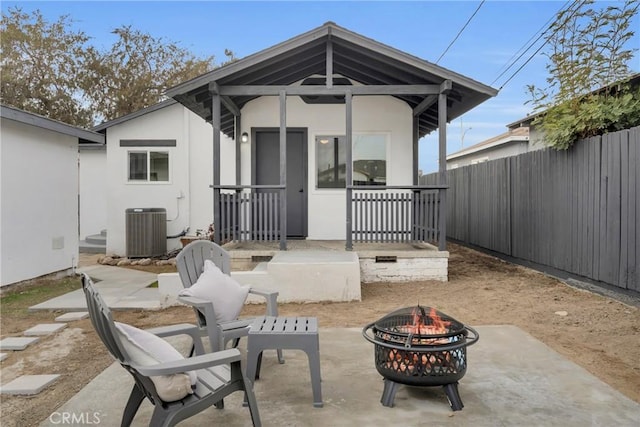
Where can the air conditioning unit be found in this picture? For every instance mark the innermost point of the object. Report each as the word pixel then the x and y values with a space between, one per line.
pixel 146 232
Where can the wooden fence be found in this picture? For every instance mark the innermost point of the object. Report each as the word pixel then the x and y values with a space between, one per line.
pixel 576 210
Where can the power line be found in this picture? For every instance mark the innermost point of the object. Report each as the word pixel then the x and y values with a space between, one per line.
pixel 543 44
pixel 460 32
pixel 546 26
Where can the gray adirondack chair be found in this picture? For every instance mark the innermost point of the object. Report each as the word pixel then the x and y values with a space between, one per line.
pixel 190 264
pixel 219 373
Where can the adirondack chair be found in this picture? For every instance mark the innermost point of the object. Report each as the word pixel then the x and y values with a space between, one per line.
pixel 190 263
pixel 218 374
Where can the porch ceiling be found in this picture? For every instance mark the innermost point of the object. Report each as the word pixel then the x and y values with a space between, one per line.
pixel 354 56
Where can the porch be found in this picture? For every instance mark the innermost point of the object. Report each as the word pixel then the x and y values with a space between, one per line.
pixel 322 270
pixel 404 216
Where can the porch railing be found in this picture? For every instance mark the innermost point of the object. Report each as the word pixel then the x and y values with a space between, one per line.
pixel 250 213
pixel 410 214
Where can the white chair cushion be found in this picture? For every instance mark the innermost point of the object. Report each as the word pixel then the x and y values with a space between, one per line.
pixel 225 293
pixel 146 349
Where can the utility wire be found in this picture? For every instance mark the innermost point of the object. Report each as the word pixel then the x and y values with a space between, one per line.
pixel 543 44
pixel 541 32
pixel 460 32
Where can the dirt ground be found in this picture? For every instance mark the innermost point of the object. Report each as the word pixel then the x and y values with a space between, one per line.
pixel 598 333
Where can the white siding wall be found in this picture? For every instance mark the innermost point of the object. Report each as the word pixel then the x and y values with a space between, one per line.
pixel 39 207
pixel 371 114
pixel 187 196
pixel 93 191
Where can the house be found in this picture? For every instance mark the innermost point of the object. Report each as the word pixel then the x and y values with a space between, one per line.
pixel 39 194
pixel 325 101
pixel 313 139
pixel 511 143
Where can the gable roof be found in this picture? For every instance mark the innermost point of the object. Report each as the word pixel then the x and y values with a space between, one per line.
pixel 18 115
pixel 354 56
pixel 135 114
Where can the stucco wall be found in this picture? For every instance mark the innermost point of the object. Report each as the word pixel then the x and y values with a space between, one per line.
pixel 371 114
pixel 187 197
pixel 39 207
pixel 93 191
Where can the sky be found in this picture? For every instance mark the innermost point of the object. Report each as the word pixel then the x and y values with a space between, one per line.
pixel 424 29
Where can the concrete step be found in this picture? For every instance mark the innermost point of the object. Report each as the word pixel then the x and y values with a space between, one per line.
pixel 307 276
pixel 96 239
pixel 298 276
pixel 90 248
pixel 103 232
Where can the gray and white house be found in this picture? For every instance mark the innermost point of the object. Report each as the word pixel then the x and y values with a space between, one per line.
pixel 314 138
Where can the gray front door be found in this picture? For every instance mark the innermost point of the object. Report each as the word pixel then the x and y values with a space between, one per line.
pixel 266 155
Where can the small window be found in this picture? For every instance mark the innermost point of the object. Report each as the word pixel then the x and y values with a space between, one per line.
pixel 369 160
pixel 149 166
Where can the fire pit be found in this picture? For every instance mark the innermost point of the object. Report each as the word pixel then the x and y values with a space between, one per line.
pixel 420 346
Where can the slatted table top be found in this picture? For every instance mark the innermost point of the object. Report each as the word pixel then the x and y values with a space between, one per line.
pixel 284 325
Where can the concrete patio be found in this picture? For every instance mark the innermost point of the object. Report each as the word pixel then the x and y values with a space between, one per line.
pixel 512 379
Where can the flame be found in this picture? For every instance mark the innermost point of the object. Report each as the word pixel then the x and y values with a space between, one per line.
pixel 427 324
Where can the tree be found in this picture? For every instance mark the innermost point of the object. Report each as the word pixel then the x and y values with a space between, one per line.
pixel 588 51
pixel 136 71
pixel 41 63
pixel 54 71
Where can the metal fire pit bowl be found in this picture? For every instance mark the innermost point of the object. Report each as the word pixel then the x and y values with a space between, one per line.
pixel 404 356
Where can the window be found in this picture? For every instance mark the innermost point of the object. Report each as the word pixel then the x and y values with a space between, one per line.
pixel 331 160
pixel 149 166
pixel 369 160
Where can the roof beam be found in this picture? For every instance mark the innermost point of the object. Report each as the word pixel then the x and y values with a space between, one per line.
pixel 329 63
pixel 231 106
pixel 274 90
pixel 426 103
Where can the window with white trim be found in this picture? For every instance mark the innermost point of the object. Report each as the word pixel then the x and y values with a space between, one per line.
pixel 148 166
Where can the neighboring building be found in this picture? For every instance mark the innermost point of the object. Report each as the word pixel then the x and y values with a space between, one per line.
pixel 39 194
pixel 522 135
pixel 536 136
pixel 511 143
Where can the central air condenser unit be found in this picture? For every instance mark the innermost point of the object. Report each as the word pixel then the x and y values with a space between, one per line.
pixel 146 232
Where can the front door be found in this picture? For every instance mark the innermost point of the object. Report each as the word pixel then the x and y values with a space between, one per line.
pixel 266 152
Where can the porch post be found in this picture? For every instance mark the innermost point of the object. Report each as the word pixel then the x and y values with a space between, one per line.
pixel 415 233
pixel 349 168
pixel 238 140
pixel 442 163
pixel 283 170
pixel 416 135
pixel 215 122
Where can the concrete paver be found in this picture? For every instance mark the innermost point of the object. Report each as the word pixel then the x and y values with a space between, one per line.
pixel 512 379
pixel 44 329
pixel 72 316
pixel 114 283
pixel 28 384
pixel 17 343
